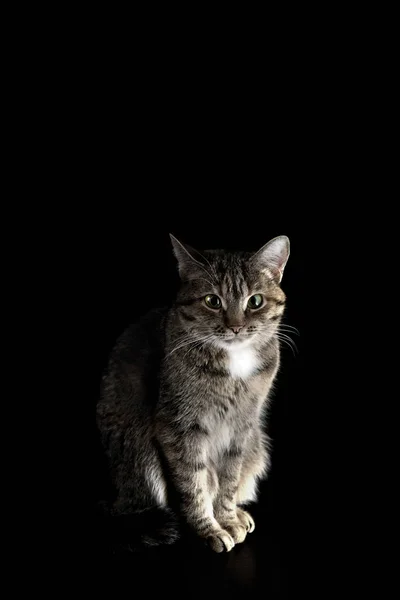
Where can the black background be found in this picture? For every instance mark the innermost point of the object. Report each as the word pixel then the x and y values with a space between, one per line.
pixel 224 139
pixel 120 263
pixel 218 173
pixel 213 186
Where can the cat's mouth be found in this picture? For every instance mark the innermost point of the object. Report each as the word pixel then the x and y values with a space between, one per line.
pixel 238 339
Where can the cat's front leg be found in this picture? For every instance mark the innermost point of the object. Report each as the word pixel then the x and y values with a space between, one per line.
pixel 187 463
pixel 233 519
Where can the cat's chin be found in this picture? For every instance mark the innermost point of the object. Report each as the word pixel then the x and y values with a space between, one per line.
pixel 235 342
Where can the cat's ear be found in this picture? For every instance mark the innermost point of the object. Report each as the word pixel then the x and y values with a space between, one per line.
pixel 273 257
pixel 189 259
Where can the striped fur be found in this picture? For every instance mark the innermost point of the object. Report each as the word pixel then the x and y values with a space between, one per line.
pixel 182 404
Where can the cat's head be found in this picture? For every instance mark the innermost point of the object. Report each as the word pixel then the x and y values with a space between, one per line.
pixel 231 299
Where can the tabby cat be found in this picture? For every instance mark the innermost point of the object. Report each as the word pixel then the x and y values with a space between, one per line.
pixel 184 395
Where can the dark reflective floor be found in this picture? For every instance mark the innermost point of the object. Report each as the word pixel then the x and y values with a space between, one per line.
pixel 190 568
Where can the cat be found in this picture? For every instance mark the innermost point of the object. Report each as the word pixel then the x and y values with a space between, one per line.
pixel 182 406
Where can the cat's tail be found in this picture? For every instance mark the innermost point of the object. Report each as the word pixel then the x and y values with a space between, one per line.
pixel 139 530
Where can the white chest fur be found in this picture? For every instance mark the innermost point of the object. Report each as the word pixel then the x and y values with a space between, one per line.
pixel 243 361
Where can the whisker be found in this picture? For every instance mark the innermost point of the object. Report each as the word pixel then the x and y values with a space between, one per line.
pixel 208 262
pixel 190 339
pixel 288 341
pixel 186 343
pixel 198 344
pixel 285 335
pixel 189 335
pixel 207 272
pixel 280 333
pixel 289 328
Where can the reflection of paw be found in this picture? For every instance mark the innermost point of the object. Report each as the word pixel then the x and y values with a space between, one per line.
pixel 237 531
pixel 220 541
pixel 246 519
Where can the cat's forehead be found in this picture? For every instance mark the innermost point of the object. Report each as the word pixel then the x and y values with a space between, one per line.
pixel 223 261
pixel 234 272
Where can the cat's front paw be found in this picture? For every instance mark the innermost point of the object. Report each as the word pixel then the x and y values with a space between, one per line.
pixel 237 531
pixel 220 541
pixel 246 519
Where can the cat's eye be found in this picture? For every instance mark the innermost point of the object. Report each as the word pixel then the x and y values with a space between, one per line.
pixel 212 301
pixel 255 301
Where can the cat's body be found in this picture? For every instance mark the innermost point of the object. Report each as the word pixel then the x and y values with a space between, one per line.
pixel 182 404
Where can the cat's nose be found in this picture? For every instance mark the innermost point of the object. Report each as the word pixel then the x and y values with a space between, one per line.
pixel 236 329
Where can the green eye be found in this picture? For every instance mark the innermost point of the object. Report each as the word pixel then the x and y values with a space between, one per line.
pixel 212 301
pixel 255 301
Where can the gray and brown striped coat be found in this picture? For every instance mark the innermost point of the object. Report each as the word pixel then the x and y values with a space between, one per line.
pixel 183 401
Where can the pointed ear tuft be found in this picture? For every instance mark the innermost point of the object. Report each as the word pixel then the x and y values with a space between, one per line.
pixel 189 259
pixel 273 256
